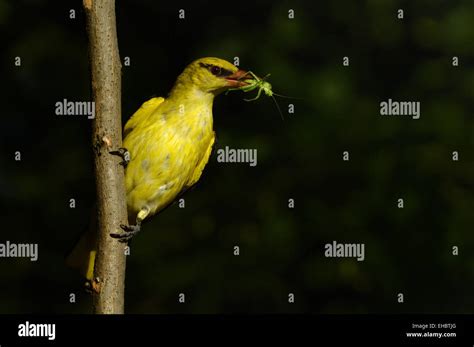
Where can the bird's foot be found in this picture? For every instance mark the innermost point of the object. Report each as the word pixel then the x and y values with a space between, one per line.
pixel 92 286
pixel 129 232
pixel 124 154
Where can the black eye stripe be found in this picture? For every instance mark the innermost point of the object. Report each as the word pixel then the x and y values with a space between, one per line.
pixel 223 72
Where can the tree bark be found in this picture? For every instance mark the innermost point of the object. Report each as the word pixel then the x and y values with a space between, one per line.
pixel 109 273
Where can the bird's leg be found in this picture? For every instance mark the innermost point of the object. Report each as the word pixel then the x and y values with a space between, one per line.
pixel 131 230
pixel 124 154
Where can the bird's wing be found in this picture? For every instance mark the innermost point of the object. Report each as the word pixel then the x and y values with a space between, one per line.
pixel 142 113
pixel 200 166
pixel 196 174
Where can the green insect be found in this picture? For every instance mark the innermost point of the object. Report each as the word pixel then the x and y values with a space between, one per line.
pixel 255 83
pixel 262 85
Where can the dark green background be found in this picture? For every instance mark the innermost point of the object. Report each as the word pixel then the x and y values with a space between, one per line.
pixel 282 250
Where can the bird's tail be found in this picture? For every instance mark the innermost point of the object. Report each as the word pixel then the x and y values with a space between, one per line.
pixel 82 256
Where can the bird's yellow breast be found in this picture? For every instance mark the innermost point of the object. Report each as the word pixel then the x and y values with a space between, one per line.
pixel 169 145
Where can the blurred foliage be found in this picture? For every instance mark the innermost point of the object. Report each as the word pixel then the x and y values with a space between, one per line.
pixel 190 250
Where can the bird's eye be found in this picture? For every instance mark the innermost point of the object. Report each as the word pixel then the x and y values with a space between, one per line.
pixel 216 70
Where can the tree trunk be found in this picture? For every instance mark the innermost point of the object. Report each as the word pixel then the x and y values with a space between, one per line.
pixel 109 272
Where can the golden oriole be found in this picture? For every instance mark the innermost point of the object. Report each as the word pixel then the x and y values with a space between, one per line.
pixel 169 141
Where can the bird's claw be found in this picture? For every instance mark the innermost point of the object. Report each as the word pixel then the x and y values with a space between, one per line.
pixel 124 154
pixel 129 232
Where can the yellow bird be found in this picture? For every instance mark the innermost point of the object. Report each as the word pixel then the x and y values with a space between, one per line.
pixel 169 141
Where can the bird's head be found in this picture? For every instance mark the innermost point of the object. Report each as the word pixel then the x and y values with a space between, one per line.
pixel 212 75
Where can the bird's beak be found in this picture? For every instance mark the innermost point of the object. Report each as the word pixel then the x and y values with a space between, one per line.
pixel 236 79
